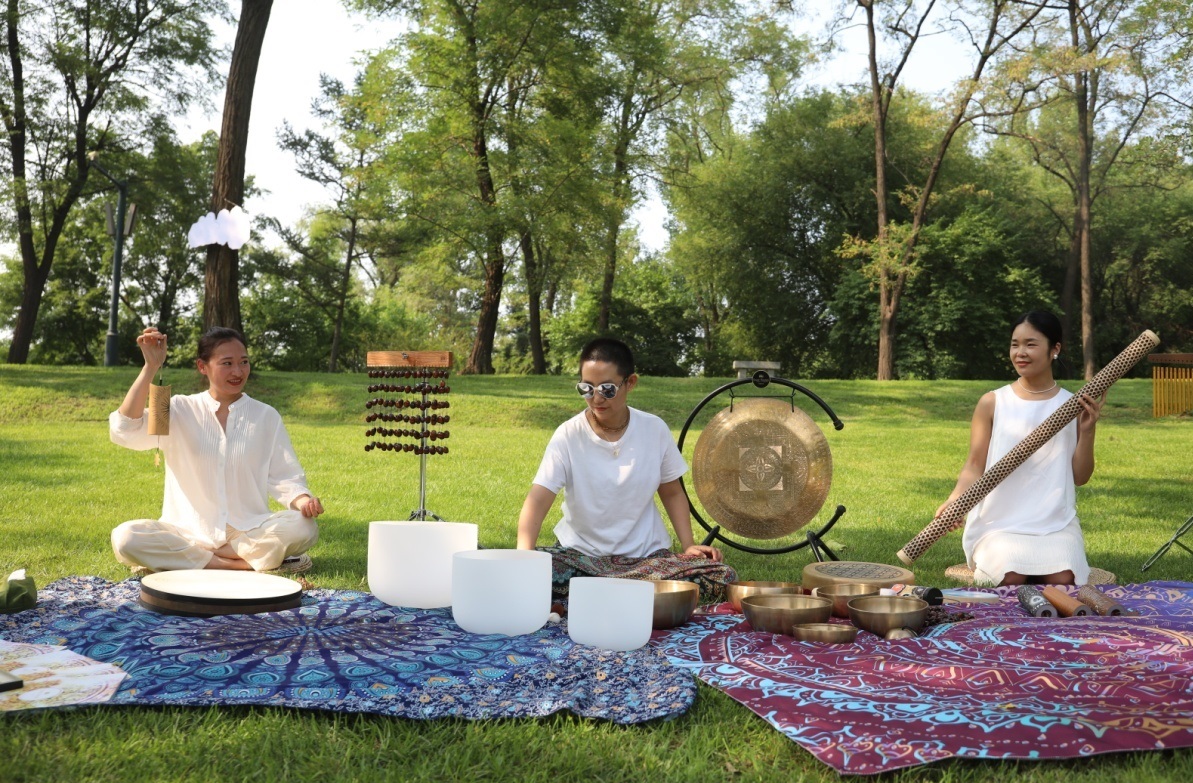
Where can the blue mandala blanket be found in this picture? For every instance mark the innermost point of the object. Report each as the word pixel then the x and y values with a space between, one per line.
pixel 346 651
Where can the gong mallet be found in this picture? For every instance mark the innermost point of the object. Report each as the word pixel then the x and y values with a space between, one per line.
pixel 953 515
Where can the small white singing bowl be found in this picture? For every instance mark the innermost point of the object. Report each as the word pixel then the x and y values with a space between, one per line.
pixel 410 563
pixel 501 591
pixel 613 614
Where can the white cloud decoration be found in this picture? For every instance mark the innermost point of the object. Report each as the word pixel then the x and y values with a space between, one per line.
pixel 229 227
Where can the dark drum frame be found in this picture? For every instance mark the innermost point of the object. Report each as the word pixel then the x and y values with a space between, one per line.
pixel 812 539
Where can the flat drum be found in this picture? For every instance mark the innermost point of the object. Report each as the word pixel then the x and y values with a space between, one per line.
pixel 207 593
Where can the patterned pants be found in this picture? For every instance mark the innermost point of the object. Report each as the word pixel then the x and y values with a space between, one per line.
pixel 709 576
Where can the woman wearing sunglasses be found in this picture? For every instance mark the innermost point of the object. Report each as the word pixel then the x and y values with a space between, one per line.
pixel 611 460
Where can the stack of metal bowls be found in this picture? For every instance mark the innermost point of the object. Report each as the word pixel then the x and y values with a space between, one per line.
pixel 782 613
pixel 842 594
pixel 736 591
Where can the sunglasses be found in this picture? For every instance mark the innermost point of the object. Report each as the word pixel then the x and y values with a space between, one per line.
pixel 606 390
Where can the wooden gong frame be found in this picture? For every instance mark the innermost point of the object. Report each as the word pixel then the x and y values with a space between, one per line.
pixel 812 539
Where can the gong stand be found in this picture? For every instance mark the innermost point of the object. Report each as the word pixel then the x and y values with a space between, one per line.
pixel 760 380
pixel 416 385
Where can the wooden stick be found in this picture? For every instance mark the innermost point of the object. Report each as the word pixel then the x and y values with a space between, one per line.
pixel 953 515
pixel 1064 603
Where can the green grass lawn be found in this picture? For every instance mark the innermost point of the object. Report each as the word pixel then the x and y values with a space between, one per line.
pixel 65 486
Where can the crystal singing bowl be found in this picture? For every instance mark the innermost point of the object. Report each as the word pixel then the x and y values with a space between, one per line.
pixel 842 594
pixel 781 613
pixel 739 590
pixel 879 614
pixel 674 602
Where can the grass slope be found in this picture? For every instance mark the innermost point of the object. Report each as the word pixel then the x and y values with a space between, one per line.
pixel 65 486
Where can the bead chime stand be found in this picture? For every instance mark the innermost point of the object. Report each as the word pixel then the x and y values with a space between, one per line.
pixel 423 375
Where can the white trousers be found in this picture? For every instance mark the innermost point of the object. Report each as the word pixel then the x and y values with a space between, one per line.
pixel 154 544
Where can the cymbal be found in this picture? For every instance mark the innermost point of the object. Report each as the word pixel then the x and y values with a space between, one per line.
pixel 762 468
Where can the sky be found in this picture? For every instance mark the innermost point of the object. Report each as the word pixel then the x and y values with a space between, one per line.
pixel 309 37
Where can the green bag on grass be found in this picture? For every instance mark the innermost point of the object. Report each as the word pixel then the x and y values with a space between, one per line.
pixel 18 593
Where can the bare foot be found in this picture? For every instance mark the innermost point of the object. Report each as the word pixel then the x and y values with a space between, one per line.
pixel 228 564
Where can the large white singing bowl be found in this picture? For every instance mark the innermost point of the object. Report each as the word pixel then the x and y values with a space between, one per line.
pixel 614 614
pixel 506 591
pixel 410 563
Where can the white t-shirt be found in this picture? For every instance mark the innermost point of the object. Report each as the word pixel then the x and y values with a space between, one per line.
pixel 608 506
pixel 1039 497
pixel 216 478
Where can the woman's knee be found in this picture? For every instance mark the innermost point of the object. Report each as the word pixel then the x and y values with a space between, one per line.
pixel 125 536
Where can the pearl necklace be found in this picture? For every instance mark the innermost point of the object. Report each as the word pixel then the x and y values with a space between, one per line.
pixel 1042 391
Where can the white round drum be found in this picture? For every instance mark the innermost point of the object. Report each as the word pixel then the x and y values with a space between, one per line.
pixel 206 593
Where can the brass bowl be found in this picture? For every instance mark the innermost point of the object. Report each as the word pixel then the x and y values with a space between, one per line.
pixel 739 590
pixel 674 602
pixel 830 633
pixel 781 613
pixel 879 614
pixel 842 594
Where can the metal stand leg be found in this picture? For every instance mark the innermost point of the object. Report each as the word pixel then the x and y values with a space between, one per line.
pixel 1185 528
pixel 712 536
pixel 818 547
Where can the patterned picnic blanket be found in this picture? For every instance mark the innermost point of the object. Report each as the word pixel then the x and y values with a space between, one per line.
pixel 1003 685
pixel 346 651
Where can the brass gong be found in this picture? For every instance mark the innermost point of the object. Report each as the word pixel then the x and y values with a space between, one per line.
pixel 762 468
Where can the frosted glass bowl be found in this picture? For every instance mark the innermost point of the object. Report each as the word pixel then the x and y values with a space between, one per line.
pixel 410 563
pixel 505 591
pixel 614 614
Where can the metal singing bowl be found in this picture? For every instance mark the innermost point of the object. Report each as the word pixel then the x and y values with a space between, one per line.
pixel 879 614
pixel 674 602
pixel 830 633
pixel 841 595
pixel 736 591
pixel 781 613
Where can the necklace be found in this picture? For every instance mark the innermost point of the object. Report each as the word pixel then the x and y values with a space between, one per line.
pixel 1041 391
pixel 597 422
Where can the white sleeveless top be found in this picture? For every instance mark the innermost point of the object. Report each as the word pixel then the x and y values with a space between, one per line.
pixel 1039 497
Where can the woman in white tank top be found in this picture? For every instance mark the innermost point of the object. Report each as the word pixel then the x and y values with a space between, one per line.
pixel 1026 530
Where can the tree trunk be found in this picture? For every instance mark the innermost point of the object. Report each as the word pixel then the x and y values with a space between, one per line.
pixel 1069 291
pixel 621 188
pixel 534 287
pixel 1084 201
pixel 480 360
pixel 345 284
pixel 221 300
pixel 886 324
pixel 36 270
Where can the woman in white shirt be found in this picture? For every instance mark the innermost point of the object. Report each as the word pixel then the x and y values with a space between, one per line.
pixel 226 454
pixel 612 460
pixel 1026 530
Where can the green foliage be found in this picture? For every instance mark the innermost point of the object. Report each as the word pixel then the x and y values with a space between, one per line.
pixel 652 313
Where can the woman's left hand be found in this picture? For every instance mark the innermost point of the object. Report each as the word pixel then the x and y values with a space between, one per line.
pixel 1091 411
pixel 309 505
pixel 704 551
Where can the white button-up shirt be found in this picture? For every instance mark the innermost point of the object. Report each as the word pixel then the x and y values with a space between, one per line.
pixel 217 477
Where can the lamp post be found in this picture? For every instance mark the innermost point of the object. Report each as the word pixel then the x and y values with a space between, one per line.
pixel 110 347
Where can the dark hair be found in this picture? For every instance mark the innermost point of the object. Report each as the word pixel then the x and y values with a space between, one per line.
pixel 215 337
pixel 606 349
pixel 1043 322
